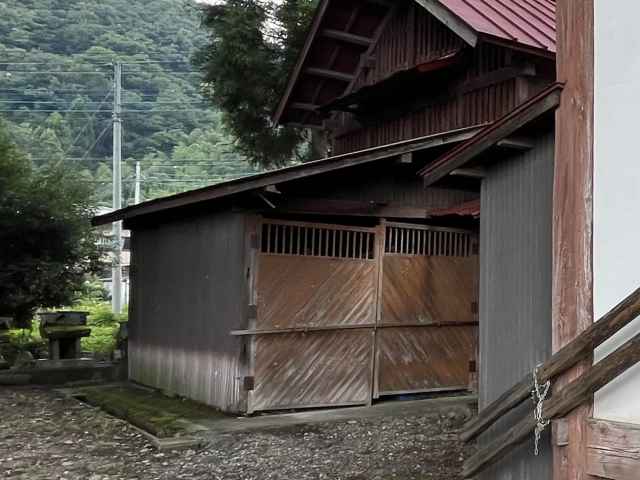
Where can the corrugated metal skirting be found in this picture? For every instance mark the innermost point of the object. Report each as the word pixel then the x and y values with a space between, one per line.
pixel 515 291
pixel 189 292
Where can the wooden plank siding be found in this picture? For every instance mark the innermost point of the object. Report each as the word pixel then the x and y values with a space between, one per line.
pixel 383 182
pixel 494 81
pixel 613 449
pixel 515 293
pixel 189 292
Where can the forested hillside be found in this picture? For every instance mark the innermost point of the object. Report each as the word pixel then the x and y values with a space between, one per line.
pixel 56 92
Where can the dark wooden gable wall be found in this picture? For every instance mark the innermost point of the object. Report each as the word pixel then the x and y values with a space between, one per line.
pixel 410 38
pixel 484 84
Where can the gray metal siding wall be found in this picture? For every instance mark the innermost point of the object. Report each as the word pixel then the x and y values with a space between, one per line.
pixel 515 291
pixel 189 291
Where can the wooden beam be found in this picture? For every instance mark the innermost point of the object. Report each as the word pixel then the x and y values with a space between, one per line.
pixel 332 74
pixel 516 143
pixel 572 290
pixel 356 208
pixel 455 23
pixel 491 135
pixel 572 396
pixel 347 37
pixel 470 172
pixel 361 326
pixel 309 107
pixel 315 25
pixel 578 349
pixel 406 158
pixel 365 58
pixel 613 450
pixel 334 56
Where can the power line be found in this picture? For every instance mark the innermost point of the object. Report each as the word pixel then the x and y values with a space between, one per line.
pixel 52 72
pixel 51 102
pixel 56 111
pixel 96 142
pixel 203 110
pixel 86 125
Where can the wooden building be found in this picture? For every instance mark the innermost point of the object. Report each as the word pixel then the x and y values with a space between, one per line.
pixel 559 296
pixel 258 295
pixel 515 302
pixel 341 280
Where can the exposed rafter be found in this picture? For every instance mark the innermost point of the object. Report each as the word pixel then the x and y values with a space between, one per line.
pixel 347 37
pixel 309 107
pixel 333 74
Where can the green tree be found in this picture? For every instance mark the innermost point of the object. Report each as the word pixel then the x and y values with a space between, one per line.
pixel 56 92
pixel 48 245
pixel 252 47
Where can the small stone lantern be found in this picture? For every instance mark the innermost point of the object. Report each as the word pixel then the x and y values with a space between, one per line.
pixel 64 331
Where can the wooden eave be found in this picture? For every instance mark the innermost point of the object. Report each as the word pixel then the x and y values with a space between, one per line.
pixel 545 101
pixel 268 179
pixel 345 33
pixel 331 58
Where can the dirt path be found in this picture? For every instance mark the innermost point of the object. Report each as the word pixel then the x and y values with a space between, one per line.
pixel 44 435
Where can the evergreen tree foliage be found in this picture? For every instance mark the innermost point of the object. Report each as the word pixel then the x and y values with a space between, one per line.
pixel 47 241
pixel 253 45
pixel 57 56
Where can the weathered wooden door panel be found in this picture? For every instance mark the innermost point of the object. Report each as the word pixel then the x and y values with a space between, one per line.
pixel 295 291
pixel 312 369
pixel 414 359
pixel 429 289
pixel 314 276
pixel 429 281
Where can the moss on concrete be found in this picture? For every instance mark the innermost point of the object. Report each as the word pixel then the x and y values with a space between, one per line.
pixel 158 414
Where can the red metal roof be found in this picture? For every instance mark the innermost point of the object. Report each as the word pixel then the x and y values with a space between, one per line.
pixel 467 209
pixel 527 22
pixel 524 24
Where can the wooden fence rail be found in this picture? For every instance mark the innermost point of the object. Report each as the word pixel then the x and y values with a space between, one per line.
pixel 579 349
pixel 559 405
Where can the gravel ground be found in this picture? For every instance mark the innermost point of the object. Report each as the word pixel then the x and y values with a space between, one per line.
pixel 44 435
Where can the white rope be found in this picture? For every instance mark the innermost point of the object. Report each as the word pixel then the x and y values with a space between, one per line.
pixel 539 396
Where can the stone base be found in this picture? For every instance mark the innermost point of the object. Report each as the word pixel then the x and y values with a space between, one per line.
pixel 66 363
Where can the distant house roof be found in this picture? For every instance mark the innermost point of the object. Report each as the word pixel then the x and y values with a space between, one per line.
pixel 489 136
pixel 275 177
pixel 343 30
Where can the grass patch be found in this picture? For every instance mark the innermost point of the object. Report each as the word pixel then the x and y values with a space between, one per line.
pixel 158 414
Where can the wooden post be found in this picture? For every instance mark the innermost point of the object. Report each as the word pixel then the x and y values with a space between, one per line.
pixel 572 296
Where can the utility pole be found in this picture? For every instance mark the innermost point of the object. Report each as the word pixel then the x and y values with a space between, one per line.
pixel 136 197
pixel 116 267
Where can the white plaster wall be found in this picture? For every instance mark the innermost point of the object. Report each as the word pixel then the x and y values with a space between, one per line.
pixel 617 186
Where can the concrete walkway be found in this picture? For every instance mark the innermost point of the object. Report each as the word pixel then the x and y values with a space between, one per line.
pixel 463 405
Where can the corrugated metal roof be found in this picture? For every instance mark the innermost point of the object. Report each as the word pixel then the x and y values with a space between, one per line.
pixel 528 22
